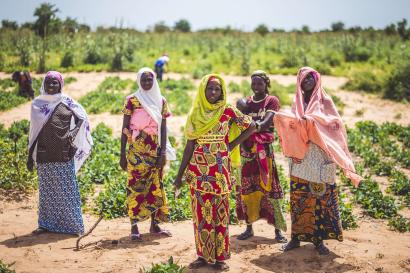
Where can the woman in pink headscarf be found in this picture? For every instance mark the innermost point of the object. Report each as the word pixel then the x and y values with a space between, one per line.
pixel 314 138
pixel 59 143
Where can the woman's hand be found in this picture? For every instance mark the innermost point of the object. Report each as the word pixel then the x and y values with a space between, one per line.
pixel 177 186
pixel 178 182
pixel 161 160
pixel 296 161
pixel 30 164
pixel 123 162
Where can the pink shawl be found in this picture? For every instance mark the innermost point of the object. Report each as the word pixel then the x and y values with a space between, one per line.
pixel 320 123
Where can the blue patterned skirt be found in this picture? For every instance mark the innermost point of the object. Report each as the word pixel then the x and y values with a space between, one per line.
pixel 60 203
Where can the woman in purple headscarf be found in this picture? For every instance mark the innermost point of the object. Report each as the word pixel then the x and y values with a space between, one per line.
pixel 59 143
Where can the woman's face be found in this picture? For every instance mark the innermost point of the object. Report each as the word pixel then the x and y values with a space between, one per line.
pixel 52 85
pixel 213 92
pixel 258 86
pixel 147 80
pixel 308 83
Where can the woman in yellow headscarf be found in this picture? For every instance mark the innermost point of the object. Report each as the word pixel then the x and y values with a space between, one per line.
pixel 213 129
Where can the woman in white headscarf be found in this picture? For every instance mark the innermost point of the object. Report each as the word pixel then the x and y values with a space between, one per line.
pixel 59 143
pixel 145 131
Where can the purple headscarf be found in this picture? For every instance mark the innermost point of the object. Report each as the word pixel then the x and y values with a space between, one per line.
pixel 54 74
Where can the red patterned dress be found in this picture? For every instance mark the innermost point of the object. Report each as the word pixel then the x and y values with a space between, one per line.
pixel 208 174
pixel 145 191
pixel 260 189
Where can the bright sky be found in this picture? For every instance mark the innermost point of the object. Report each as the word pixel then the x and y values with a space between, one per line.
pixel 243 14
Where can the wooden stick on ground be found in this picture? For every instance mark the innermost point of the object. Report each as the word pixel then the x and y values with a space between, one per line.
pixel 88 232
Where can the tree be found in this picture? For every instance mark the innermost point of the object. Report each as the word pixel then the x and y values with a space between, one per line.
pixel 305 29
pixel 70 25
pixel 390 29
pixel 337 26
pixel 262 29
pixel 161 27
pixel 402 29
pixel 45 24
pixel 9 24
pixel 182 25
pixel 84 28
pixel 28 25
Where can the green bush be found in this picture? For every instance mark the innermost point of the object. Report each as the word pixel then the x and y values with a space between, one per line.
pixel 168 267
pixel 68 59
pixel 176 94
pixel 398 83
pixel 13 157
pixel 365 81
pixel 5 268
pixel 400 224
pixel 349 221
pixel 102 165
pixel 108 97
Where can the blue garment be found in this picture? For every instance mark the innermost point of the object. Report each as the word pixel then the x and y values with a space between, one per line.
pixel 59 196
pixel 160 62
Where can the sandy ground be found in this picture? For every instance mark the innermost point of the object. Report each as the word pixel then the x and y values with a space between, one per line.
pixel 370 248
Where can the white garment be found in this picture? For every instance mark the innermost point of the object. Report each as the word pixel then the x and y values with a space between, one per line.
pixel 164 58
pixel 316 166
pixel 152 102
pixel 43 107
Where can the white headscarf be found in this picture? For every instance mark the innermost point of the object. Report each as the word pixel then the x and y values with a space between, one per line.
pixel 152 102
pixel 43 107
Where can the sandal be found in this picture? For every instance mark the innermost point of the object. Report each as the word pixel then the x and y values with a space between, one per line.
pixel 291 245
pixel 198 263
pixel 136 237
pixel 221 266
pixel 156 230
pixel 279 237
pixel 164 232
pixel 39 230
pixel 245 235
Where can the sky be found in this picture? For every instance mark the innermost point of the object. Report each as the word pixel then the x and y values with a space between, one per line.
pixel 241 14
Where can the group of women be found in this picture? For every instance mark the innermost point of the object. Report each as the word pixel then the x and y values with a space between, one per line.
pixel 221 138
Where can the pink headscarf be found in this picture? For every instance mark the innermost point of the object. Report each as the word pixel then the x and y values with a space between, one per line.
pixel 57 75
pixel 319 123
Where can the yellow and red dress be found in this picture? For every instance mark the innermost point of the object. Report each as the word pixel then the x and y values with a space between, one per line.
pixel 145 190
pixel 208 175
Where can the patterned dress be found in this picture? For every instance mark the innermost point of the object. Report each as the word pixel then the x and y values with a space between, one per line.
pixel 59 198
pixel 314 198
pixel 208 174
pixel 145 191
pixel 260 192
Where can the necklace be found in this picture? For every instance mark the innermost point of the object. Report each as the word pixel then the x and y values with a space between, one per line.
pixel 256 101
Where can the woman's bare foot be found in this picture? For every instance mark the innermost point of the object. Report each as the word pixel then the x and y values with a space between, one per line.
pixel 322 249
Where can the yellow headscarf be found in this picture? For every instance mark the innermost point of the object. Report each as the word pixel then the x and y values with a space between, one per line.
pixel 204 116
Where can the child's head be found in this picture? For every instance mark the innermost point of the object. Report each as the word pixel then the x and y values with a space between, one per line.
pixel 241 105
